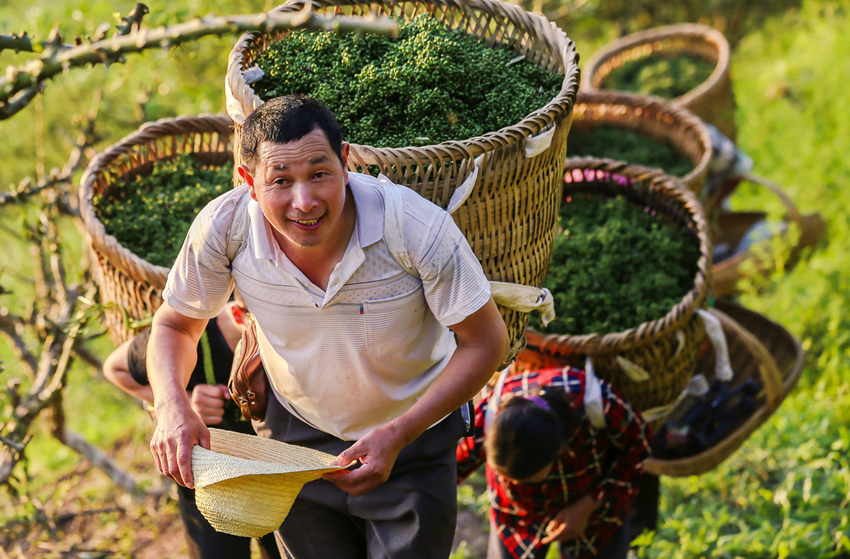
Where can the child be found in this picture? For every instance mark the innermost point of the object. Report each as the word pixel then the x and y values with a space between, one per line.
pixel 126 367
pixel 563 464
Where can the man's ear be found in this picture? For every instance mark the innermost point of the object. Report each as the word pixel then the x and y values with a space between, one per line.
pixel 344 152
pixel 246 175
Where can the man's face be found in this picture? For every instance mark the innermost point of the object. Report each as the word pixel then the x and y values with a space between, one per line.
pixel 300 187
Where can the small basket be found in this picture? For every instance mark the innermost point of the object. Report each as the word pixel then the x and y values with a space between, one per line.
pixel 759 349
pixel 712 100
pixel 131 284
pixel 732 226
pixel 665 348
pixel 653 117
pixel 510 215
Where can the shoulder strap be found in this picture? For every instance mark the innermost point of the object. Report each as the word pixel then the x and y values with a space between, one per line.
pixel 394 224
pixel 240 225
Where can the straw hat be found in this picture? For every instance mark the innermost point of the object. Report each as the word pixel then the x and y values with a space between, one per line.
pixel 246 484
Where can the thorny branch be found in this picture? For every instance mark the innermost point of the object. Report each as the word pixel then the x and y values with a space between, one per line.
pixel 56 321
pixel 86 138
pixel 139 38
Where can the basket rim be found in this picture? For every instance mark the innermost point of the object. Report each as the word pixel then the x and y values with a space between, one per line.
pixel 695 31
pixel 682 117
pixel 240 94
pixel 121 257
pixel 647 332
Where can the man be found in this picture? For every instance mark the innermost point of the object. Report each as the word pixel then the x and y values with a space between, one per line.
pixel 365 360
pixel 126 368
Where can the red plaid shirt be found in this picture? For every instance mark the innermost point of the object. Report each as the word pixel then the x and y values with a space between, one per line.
pixel 603 463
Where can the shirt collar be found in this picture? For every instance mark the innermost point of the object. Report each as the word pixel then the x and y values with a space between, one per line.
pixel 369 227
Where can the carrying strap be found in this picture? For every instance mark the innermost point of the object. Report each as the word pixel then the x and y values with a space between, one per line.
pixel 240 228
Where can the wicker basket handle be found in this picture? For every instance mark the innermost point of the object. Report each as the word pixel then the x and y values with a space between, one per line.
pixel 790 208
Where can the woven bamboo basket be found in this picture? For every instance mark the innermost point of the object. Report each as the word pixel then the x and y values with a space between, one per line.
pixel 652 117
pixel 665 348
pixel 732 226
pixel 760 349
pixel 712 100
pixel 510 217
pixel 130 284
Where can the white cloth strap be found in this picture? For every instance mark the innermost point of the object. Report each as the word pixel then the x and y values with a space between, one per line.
pixel 593 406
pixel 714 330
pixel 495 398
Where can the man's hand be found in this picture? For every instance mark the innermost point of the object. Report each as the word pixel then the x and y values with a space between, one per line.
pixel 377 452
pixel 570 523
pixel 178 430
pixel 208 402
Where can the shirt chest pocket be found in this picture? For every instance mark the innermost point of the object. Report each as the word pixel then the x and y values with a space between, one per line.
pixel 394 324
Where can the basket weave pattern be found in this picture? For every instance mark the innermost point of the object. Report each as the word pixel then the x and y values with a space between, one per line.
pixel 712 100
pixel 666 348
pixel 128 282
pixel 511 215
pixel 653 117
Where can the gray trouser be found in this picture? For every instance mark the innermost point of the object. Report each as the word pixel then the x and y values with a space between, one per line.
pixel 413 514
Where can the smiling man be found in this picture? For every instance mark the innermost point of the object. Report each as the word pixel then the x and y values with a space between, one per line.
pixel 365 360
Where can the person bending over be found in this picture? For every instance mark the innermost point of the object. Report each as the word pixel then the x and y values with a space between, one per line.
pixel 557 468
pixel 126 368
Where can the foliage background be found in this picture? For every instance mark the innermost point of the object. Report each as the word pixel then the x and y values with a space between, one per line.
pixel 785 493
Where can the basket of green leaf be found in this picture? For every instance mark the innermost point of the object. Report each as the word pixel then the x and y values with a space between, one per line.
pixel 644 131
pixel 685 63
pixel 630 268
pixel 138 199
pixel 470 106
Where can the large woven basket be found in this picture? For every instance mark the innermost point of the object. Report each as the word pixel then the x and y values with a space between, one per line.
pixel 666 348
pixel 510 216
pixel 130 286
pixel 712 100
pixel 758 349
pixel 650 116
pixel 732 226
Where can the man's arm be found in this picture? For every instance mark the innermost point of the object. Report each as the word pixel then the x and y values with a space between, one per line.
pixel 172 354
pixel 482 346
pixel 116 369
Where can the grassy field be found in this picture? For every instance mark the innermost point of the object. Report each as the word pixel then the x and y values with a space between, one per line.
pixel 785 493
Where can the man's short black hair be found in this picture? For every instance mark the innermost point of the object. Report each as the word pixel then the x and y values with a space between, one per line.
pixel 287 119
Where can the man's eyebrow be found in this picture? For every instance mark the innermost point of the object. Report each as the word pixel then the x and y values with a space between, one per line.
pixel 314 161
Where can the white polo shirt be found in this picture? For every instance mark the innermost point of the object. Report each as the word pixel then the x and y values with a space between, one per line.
pixel 360 354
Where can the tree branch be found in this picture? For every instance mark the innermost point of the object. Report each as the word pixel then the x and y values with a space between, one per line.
pixel 11 325
pixel 112 50
pixel 105 463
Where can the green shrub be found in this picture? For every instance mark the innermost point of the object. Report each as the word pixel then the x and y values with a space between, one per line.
pixel 667 76
pixel 607 140
pixel 150 215
pixel 430 85
pixel 615 266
